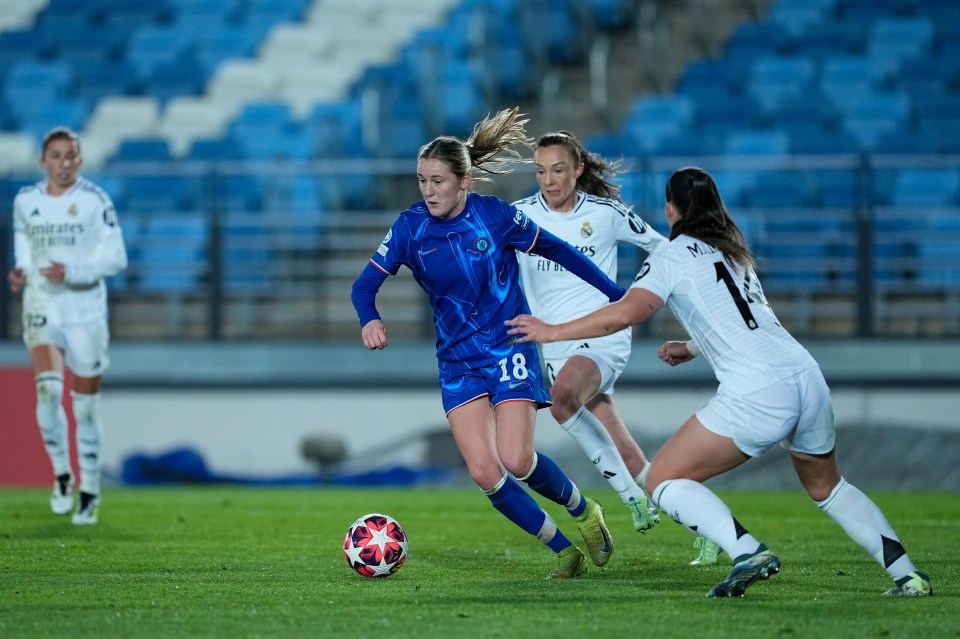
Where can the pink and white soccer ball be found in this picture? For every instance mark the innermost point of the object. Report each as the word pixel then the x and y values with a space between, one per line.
pixel 375 545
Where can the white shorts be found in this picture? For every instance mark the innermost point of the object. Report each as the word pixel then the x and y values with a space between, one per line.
pixel 795 411
pixel 85 345
pixel 608 375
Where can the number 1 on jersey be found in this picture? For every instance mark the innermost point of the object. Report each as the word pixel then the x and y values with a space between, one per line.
pixel 742 304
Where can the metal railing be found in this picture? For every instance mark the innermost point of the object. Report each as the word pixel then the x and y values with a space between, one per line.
pixel 839 254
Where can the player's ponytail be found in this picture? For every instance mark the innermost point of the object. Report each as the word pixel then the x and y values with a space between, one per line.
pixel 490 148
pixel 702 215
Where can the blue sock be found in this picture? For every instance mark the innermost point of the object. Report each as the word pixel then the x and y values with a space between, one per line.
pixel 516 505
pixel 546 478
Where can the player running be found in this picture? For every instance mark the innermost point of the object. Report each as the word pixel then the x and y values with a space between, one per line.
pixel 66 241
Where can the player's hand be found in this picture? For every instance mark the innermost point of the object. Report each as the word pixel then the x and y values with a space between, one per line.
pixel 54 273
pixel 528 328
pixel 17 279
pixel 674 353
pixel 374 335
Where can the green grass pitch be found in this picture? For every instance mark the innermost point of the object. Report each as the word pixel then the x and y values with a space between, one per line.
pixel 244 562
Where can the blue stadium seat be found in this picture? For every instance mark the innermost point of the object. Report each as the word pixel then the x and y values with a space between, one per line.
pixel 870 116
pixel 30 82
pixel 755 142
pixel 779 189
pixel 892 40
pixel 245 253
pixel 44 116
pixel 181 77
pixel 843 77
pixel 212 150
pixel 926 187
pixel 173 254
pixel 611 15
pixel 162 194
pixel 100 78
pixel 796 16
pixel 142 150
pixel 830 39
pixel 334 128
pixel 778 79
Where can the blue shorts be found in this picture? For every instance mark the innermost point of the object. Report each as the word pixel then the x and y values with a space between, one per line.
pixel 516 378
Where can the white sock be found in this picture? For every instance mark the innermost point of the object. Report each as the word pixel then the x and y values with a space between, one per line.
pixel 693 505
pixel 864 522
pixel 596 442
pixel 86 410
pixel 641 479
pixel 52 420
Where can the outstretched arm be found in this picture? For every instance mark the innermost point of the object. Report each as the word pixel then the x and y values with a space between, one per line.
pixel 636 307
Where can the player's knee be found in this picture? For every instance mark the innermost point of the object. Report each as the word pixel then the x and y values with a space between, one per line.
pixel 518 463
pixel 49 389
pixel 565 403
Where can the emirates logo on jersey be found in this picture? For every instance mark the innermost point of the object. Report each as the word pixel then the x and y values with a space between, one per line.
pixel 586 230
pixel 73 209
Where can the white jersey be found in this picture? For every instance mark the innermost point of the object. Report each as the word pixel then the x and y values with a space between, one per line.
pixel 594 226
pixel 78 229
pixel 724 310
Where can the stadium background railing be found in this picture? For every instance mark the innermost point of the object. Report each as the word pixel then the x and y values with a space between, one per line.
pixel 848 245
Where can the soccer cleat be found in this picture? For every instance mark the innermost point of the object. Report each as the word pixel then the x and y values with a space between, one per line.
pixel 709 552
pixel 643 513
pixel 61 501
pixel 570 563
pixel 915 584
pixel 746 572
pixel 86 514
pixel 595 534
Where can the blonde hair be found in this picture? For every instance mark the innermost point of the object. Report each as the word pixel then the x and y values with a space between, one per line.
pixel 490 148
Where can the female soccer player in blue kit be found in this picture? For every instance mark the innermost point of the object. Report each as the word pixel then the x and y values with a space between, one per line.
pixel 461 248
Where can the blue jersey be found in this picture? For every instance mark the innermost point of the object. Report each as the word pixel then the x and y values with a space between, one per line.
pixel 468 267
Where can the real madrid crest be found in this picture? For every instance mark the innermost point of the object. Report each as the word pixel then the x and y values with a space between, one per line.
pixel 73 209
pixel 586 230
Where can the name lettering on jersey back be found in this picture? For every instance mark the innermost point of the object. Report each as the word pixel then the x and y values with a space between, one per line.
pixel 696 249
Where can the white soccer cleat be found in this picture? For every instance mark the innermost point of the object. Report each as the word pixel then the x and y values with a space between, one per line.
pixel 61 501
pixel 86 514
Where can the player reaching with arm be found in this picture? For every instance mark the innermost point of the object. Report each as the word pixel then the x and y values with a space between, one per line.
pixel 771 390
pixel 578 203
pixel 66 241
pixel 461 248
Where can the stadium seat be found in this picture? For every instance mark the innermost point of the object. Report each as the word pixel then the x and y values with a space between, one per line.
pixel 892 40
pixel 47 115
pixel 142 150
pixel 18 152
pixel 162 194
pixel 173 254
pixel 754 142
pixel 777 79
pixel 926 187
pixel 843 77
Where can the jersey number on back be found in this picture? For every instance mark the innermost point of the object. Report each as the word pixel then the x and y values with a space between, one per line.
pixel 742 304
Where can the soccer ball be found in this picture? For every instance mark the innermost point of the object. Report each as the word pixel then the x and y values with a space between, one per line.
pixel 375 545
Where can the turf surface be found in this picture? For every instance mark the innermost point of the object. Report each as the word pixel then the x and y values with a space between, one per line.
pixel 241 562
